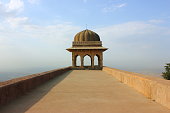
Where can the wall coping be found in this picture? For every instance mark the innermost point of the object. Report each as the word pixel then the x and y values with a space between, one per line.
pixel 26 77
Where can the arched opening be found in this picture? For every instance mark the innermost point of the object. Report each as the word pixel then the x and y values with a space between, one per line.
pixel 78 61
pixel 87 60
pixel 96 60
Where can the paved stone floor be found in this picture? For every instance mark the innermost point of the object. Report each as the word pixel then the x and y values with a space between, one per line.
pixel 83 91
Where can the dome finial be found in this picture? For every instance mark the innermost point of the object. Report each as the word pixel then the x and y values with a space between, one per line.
pixel 86 26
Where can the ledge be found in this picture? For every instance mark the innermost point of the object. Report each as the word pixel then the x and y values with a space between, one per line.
pixel 11 89
pixel 155 88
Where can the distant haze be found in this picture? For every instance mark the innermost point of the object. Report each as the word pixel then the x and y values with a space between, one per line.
pixel 35 33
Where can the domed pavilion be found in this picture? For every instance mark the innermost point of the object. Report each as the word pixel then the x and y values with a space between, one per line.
pixel 87 43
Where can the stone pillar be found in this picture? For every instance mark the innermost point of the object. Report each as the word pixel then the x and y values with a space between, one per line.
pixel 101 60
pixel 73 60
pixel 82 61
pixel 92 61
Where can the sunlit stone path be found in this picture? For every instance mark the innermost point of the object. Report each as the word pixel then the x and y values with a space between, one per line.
pixel 87 91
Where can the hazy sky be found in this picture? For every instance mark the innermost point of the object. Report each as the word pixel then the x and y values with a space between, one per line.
pixel 35 33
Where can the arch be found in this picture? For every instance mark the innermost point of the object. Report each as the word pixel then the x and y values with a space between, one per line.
pixel 78 60
pixel 97 60
pixel 87 60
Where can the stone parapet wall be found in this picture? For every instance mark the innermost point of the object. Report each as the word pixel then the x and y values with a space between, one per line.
pixel 154 88
pixel 11 89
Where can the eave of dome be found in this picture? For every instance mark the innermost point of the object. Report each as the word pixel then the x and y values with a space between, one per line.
pixel 87 48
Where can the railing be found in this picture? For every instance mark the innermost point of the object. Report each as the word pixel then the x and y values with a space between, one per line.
pixel 87 43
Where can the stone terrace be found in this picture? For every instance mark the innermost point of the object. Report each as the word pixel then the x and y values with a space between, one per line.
pixel 83 91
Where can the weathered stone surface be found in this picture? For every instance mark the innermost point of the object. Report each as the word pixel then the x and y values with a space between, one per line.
pixel 11 89
pixel 84 91
pixel 154 88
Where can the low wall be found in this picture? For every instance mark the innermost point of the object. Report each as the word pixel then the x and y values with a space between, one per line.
pixel 11 89
pixel 155 88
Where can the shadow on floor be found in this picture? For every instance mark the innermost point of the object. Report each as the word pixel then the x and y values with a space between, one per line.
pixel 23 103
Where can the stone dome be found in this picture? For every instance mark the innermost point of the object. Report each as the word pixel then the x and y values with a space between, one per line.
pixel 86 35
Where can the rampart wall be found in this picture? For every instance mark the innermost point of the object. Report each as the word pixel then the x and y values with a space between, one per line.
pixel 13 88
pixel 154 88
